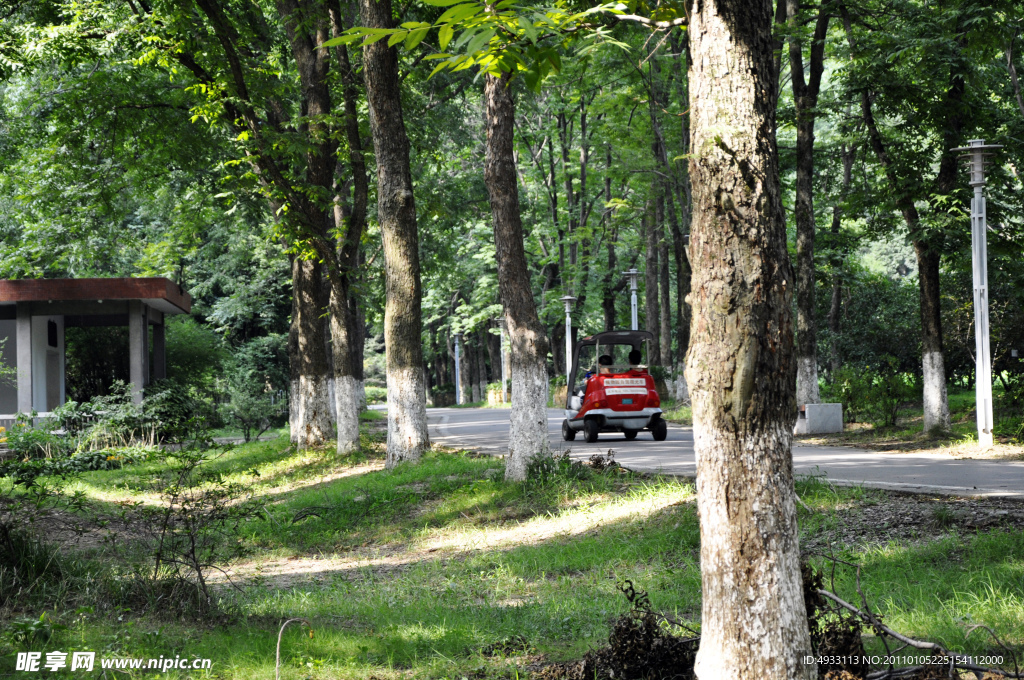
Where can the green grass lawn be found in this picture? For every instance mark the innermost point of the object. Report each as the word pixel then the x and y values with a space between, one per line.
pixel 412 573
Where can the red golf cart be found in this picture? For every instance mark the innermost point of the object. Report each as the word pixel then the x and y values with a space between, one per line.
pixel 616 392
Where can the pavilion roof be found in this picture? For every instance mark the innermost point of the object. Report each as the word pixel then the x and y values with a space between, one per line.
pixel 159 293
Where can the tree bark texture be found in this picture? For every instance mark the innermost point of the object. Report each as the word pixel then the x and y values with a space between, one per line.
pixel 838 259
pixel 805 97
pixel 740 365
pixel 651 312
pixel 346 312
pixel 665 299
pixel 396 212
pixel 313 404
pixel 528 432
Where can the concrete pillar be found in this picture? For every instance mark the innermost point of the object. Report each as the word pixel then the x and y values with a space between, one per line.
pixel 24 338
pixel 138 348
pixel 159 352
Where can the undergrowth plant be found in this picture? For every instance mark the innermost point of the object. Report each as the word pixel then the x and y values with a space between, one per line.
pixel 195 529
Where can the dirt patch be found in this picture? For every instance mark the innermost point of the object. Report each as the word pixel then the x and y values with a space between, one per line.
pixel 894 516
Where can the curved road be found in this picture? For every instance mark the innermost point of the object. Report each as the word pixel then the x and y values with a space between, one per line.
pixel 487 430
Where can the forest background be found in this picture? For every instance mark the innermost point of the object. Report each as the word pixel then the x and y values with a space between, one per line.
pixel 116 159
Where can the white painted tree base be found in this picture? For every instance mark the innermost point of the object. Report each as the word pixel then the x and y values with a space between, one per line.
pixel 682 390
pixel 346 399
pixel 528 431
pixel 314 412
pixel 407 417
pixel 936 402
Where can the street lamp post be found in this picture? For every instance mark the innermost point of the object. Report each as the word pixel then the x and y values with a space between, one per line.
pixel 568 300
pixel 976 151
pixel 458 371
pixel 633 274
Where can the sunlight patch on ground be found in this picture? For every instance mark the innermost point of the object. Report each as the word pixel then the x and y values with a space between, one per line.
pixel 455 543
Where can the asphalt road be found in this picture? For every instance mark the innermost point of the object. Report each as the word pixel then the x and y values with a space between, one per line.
pixel 487 430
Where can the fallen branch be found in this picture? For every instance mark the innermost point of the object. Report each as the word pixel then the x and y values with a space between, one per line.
pixel 955 660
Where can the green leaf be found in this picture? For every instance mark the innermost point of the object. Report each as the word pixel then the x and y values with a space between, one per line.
pixel 556 61
pixel 441 3
pixel 397 37
pixel 415 38
pixel 445 35
pixel 345 39
pixel 371 38
pixel 479 41
pixel 440 67
pixel 458 13
pixel 528 29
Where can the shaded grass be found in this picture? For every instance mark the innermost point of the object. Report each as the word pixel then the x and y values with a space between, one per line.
pixel 677 413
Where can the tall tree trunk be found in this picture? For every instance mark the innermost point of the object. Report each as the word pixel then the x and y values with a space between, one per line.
pixel 665 301
pixel 681 231
pixel 1014 81
pixel 740 365
pixel 805 96
pixel 933 368
pixel 609 289
pixel 653 317
pixel 346 312
pixel 481 363
pixel 528 432
pixel 838 259
pixel 493 352
pixel 396 212
pixel 294 359
pixel 313 404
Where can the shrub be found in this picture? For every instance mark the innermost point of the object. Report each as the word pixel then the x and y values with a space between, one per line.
pixel 195 355
pixel 28 441
pixel 195 530
pixel 876 395
pixel 257 385
pixel 376 395
pixel 176 412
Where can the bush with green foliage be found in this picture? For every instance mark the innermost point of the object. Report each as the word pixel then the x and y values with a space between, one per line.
pixel 196 354
pixel 257 386
pixel 195 529
pixel 29 441
pixel 376 395
pixel 877 395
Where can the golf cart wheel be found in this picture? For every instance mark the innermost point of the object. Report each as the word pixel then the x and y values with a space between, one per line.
pixel 660 430
pixel 590 430
pixel 568 434
pixel 630 434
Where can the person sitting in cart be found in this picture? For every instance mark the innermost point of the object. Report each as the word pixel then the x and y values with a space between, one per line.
pixel 635 357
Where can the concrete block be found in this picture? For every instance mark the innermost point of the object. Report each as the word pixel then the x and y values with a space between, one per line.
pixel 819 419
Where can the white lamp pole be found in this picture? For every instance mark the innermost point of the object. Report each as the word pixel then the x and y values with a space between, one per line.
pixel 976 151
pixel 458 371
pixel 568 300
pixel 633 274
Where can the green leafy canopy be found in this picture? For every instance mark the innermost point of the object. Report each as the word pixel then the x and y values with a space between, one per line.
pixel 507 37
